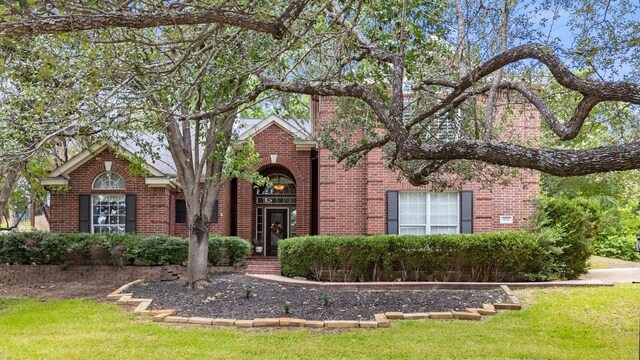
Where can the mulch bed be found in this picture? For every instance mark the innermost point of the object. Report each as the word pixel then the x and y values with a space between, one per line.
pixel 226 298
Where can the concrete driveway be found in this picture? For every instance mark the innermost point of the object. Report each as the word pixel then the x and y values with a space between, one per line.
pixel 613 275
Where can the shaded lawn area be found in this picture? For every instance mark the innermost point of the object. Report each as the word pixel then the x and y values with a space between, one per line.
pixel 599 262
pixel 579 323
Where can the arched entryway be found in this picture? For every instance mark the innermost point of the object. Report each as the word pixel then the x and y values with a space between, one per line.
pixel 275 210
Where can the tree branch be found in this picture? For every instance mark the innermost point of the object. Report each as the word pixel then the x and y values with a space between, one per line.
pixel 78 22
pixel 552 161
pixel 594 91
pixel 565 131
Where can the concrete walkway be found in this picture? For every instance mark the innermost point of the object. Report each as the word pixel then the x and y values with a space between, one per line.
pixel 599 277
pixel 622 275
pixel 415 285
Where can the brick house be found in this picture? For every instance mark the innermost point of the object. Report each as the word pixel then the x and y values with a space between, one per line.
pixel 312 194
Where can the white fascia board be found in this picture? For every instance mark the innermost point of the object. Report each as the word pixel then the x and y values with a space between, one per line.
pixel 160 182
pixel 265 123
pixel 305 145
pixel 54 181
pixel 76 161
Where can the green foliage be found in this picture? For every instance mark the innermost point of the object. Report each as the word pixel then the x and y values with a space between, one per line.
pixel 490 256
pixel 612 223
pixel 248 290
pixel 159 249
pixel 325 299
pixel 228 250
pixel 287 307
pixel 112 249
pixel 619 247
pixel 575 222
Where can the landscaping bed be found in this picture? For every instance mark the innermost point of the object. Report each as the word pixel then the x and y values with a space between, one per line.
pixel 226 298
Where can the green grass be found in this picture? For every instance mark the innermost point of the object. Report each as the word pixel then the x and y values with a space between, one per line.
pixel 586 323
pixel 599 262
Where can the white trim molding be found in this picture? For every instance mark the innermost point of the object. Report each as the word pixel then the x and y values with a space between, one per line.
pixel 159 182
pixel 54 181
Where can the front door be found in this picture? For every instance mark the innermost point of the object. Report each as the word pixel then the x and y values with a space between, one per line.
pixel 276 229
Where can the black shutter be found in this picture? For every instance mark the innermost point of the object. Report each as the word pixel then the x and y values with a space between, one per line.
pixel 84 213
pixel 214 213
pixel 130 224
pixel 466 212
pixel 392 212
pixel 181 211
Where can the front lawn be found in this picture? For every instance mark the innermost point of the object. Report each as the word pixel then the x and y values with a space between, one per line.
pixel 586 323
pixel 599 262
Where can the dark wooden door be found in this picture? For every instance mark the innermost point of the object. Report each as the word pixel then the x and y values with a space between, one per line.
pixel 276 230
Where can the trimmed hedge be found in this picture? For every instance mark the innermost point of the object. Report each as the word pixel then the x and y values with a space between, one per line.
pixel 576 223
pixel 24 248
pixel 493 256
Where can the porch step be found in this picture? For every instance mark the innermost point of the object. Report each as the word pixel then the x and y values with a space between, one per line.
pixel 263 265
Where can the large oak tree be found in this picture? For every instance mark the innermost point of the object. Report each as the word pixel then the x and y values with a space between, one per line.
pixel 457 55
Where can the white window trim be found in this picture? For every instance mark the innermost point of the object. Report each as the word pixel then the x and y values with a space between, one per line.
pixel 428 224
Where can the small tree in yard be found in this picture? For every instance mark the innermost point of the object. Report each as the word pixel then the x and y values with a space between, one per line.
pixel 192 95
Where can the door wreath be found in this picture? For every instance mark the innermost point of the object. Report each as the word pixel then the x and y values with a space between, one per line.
pixel 276 228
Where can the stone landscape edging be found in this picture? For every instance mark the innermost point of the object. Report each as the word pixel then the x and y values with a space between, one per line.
pixel 381 320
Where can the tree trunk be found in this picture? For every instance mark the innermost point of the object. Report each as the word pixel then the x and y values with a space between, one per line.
pixel 198 255
pixel 13 220
pixel 10 179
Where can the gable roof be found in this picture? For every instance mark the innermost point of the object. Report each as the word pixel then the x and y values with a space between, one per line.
pixel 160 171
pixel 87 154
pixel 160 164
pixel 299 129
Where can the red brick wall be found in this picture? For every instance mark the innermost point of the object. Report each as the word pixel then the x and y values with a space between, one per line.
pixel 223 226
pixel 152 208
pixel 354 202
pixel 276 141
pixel 350 202
pixel 155 206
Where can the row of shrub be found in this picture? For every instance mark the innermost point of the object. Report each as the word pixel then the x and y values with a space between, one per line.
pixel 492 256
pixel 43 248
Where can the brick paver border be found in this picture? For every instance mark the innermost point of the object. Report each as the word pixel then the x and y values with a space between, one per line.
pixel 381 320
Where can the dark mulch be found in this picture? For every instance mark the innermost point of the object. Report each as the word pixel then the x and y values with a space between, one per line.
pixel 225 298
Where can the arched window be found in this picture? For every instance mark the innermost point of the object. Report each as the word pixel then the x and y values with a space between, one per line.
pixel 108 181
pixel 281 185
pixel 108 211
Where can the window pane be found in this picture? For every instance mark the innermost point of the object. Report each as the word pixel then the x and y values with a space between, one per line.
pixel 412 230
pixel 109 213
pixel 293 217
pixel 428 213
pixel 412 207
pixel 444 209
pixel 108 181
pixel 444 229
